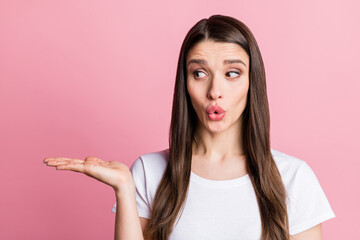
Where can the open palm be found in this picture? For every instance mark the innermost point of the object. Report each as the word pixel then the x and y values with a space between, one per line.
pixel 112 173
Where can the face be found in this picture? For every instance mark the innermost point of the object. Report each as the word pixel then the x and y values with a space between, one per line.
pixel 218 83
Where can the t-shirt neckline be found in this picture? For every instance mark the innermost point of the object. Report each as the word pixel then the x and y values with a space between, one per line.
pixel 220 183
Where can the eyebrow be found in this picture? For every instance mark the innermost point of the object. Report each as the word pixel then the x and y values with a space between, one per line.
pixel 204 62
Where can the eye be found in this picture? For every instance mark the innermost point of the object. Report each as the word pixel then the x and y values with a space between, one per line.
pixel 233 74
pixel 199 72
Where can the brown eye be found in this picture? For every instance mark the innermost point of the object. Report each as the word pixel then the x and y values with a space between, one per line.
pixel 232 74
pixel 199 72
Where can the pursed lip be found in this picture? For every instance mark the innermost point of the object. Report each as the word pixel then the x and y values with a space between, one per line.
pixel 215 109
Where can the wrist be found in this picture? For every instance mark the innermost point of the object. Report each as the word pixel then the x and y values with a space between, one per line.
pixel 125 189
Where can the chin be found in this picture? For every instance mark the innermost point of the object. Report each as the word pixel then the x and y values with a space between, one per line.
pixel 216 129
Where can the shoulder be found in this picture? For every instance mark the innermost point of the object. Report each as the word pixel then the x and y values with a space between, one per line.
pixel 307 204
pixel 289 166
pixel 147 171
pixel 295 172
pixel 284 160
pixel 152 162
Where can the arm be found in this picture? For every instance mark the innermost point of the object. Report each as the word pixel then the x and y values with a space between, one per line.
pixel 116 175
pixel 127 221
pixel 143 222
pixel 313 233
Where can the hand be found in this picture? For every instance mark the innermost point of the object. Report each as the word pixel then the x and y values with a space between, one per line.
pixel 112 173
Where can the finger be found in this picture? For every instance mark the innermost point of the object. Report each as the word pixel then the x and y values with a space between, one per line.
pixel 59 162
pixel 63 159
pixel 68 159
pixel 95 159
pixel 77 167
pixel 105 163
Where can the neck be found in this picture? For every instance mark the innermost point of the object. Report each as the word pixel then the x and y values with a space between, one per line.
pixel 218 146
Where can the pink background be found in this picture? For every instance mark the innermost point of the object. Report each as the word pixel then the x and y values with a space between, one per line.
pixel 95 78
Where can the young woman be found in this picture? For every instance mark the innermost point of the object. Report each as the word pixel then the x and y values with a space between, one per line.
pixel 219 178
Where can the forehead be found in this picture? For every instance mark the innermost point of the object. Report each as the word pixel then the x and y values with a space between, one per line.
pixel 217 51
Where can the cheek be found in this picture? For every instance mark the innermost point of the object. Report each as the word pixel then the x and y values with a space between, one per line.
pixel 241 98
pixel 195 101
pixel 243 93
pixel 195 95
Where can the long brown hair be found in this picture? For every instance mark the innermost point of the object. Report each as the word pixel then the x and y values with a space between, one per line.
pixel 265 177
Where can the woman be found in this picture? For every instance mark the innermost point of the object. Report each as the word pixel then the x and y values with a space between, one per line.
pixel 219 179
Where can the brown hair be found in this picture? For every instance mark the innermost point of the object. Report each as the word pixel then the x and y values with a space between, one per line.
pixel 263 172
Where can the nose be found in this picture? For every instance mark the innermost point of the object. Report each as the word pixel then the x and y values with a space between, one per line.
pixel 215 89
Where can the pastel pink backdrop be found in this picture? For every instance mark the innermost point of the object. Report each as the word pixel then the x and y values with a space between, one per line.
pixel 95 78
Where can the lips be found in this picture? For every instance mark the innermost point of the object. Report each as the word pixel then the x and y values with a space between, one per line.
pixel 215 109
pixel 215 113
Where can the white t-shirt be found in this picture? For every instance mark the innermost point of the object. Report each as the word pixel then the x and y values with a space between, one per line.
pixel 228 209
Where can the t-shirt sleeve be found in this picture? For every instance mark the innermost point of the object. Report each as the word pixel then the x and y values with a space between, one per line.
pixel 142 200
pixel 308 205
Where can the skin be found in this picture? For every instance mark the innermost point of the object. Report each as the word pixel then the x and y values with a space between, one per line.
pixel 118 176
pixel 218 153
pixel 218 150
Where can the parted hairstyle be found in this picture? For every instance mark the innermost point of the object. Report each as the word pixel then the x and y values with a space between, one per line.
pixel 263 172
